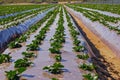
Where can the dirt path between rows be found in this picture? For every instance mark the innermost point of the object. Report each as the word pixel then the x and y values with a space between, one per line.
pixel 107 63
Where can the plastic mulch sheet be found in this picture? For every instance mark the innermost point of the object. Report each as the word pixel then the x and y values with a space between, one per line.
pixel 8 34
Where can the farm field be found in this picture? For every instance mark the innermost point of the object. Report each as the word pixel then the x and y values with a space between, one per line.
pixel 59 42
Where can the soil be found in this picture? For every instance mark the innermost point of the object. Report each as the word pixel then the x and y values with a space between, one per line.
pixel 107 62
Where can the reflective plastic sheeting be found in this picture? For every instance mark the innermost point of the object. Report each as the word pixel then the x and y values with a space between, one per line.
pixel 8 34
pixel 14 14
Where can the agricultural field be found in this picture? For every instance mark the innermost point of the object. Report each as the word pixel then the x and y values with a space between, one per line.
pixel 59 42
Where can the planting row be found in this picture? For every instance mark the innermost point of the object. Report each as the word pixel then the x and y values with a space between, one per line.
pixel 58 38
pixel 56 44
pixel 105 7
pixel 82 52
pixel 12 10
pixel 9 19
pixel 111 22
pixel 92 13
pixel 40 37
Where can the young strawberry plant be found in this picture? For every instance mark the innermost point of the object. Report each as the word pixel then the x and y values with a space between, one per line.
pixel 54 50
pixel 83 56
pixel 28 54
pixel 14 74
pixel 69 24
pixel 79 48
pixel 89 76
pixel 58 58
pixel 22 63
pixel 40 37
pixel 23 38
pixel 32 47
pixel 4 58
pixel 37 41
pixel 56 68
pixel 89 67
pixel 76 42
pixel 54 79
pixel 56 44
pixel 14 44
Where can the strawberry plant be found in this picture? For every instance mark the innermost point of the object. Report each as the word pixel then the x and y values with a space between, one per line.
pixel 73 32
pixel 83 56
pixel 5 58
pixel 14 44
pixel 69 24
pixel 56 44
pixel 79 48
pixel 32 47
pixel 90 76
pixel 14 74
pixel 22 63
pixel 54 79
pixel 28 54
pixel 88 67
pixel 56 68
pixel 41 35
pixel 23 38
pixel 54 50
pixel 76 42
pixel 58 58
pixel 36 41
